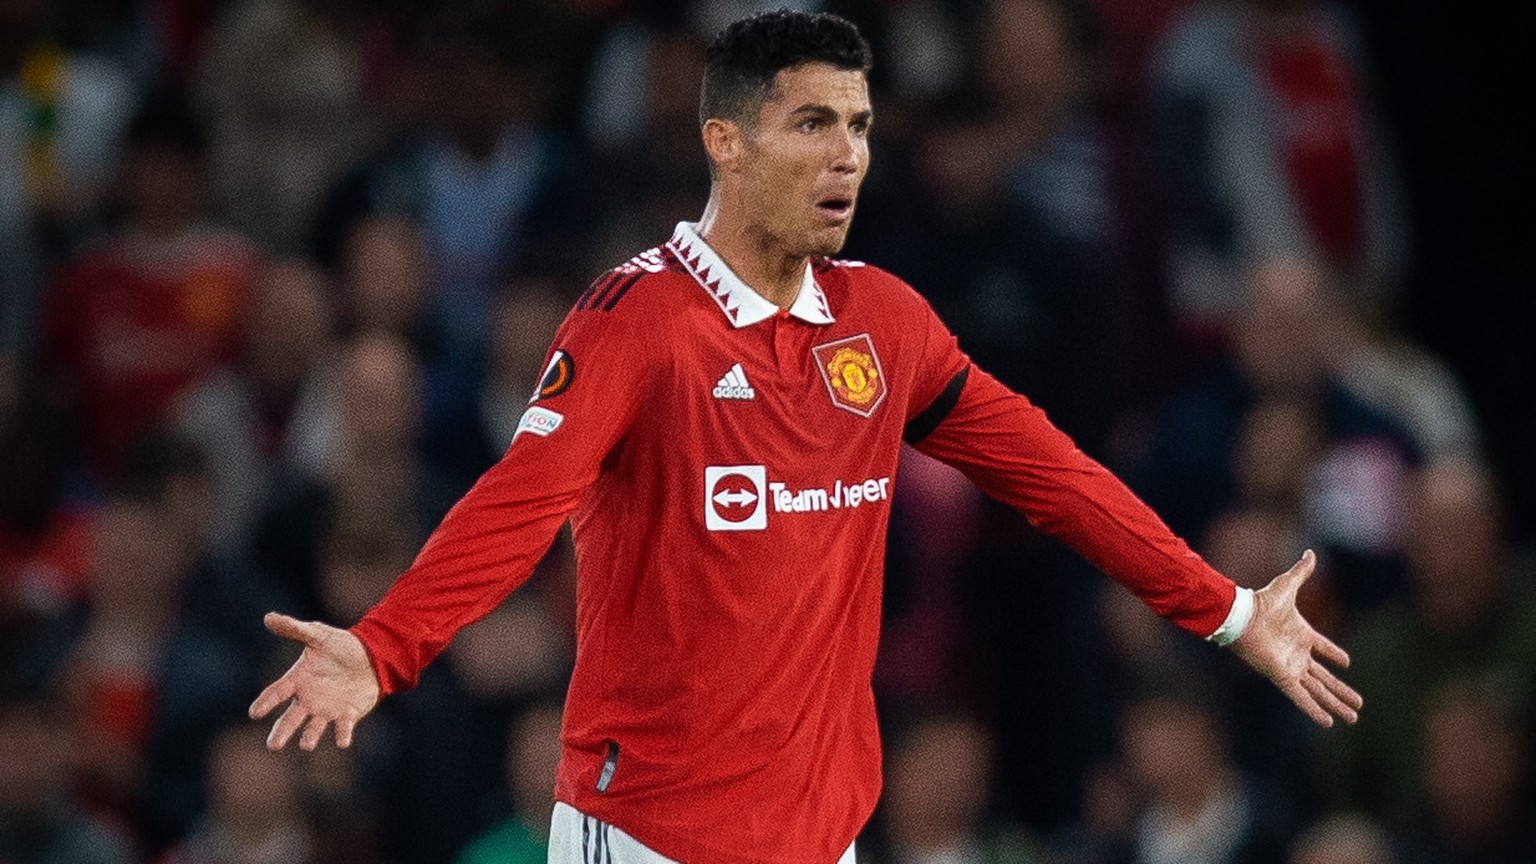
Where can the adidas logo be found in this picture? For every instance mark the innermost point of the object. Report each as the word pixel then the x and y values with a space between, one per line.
pixel 734 385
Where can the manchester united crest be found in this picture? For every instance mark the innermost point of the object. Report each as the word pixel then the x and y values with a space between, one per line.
pixel 851 369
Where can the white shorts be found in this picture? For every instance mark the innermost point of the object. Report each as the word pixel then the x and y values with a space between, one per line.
pixel 576 838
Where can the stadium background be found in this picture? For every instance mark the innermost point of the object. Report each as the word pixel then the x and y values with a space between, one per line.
pixel 275 276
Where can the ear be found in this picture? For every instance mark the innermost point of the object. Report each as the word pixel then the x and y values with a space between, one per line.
pixel 724 142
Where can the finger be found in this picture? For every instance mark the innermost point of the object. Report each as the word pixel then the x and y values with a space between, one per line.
pixel 308 632
pixel 277 693
pixel 1308 705
pixel 1328 700
pixel 1330 651
pixel 286 725
pixel 1339 688
pixel 1300 572
pixel 344 727
pixel 313 732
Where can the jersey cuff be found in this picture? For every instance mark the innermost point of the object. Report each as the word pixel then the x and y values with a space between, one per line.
pixel 1237 619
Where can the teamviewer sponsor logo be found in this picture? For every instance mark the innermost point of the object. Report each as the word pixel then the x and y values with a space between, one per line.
pixel 739 497
pixel 840 496
pixel 735 498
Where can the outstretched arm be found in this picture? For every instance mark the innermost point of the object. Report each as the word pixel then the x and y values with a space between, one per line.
pixel 486 545
pixel 1017 456
pixel 1284 648
pixel 331 682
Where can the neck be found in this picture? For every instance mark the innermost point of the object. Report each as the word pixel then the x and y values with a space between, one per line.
pixel 751 254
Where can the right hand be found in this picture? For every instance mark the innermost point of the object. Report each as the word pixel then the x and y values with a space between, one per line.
pixel 331 682
pixel 1281 645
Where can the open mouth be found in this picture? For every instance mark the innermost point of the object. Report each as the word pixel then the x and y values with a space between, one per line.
pixel 834 209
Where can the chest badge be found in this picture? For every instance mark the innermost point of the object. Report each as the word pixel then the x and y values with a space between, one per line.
pixel 851 369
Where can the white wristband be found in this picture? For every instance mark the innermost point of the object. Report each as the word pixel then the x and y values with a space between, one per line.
pixel 1237 619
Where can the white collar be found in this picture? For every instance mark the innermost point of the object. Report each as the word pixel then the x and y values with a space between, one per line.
pixel 741 305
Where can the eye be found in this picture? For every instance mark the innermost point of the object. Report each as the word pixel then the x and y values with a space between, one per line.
pixel 810 125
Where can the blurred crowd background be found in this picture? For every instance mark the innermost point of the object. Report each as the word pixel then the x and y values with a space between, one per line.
pixel 276 278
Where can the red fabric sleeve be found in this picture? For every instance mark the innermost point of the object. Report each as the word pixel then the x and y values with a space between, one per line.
pixel 491 540
pixel 1008 447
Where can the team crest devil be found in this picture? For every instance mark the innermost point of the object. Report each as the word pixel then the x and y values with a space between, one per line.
pixel 851 369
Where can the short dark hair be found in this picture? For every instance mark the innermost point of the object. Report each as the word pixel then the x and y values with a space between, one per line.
pixel 743 59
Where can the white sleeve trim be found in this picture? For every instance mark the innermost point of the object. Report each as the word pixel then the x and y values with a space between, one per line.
pixel 1237 619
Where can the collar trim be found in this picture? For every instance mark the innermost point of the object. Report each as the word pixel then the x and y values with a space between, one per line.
pixel 742 306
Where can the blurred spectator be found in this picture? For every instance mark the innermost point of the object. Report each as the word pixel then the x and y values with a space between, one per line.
pixel 39 821
pixel 62 112
pixel 485 179
pixel 335 534
pixel 642 125
pixel 367 545
pixel 1394 376
pixel 924 51
pixel 359 449
pixel 282 85
pixel 1252 546
pixel 1276 463
pixel 1478 778
pixel 243 416
pixel 999 211
pixel 255 811
pixel 1344 839
pixel 383 280
pixel 532 752
pixel 167 648
pixel 371 420
pixel 113 672
pixel 1108 813
pixel 155 304
pixel 938 788
pixel 527 317
pixel 1471 614
pixel 1279 440
pixel 1271 427
pixel 45 540
pixel 466 442
pixel 523 647
pixel 1143 655
pixel 125 31
pixel 1268 142
pixel 1039 61
pixel 341 804
pixel 1199 808
pixel 425 803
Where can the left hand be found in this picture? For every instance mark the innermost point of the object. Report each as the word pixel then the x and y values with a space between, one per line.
pixel 331 682
pixel 1283 647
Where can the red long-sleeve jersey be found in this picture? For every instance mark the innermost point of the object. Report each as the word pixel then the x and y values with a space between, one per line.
pixel 727 467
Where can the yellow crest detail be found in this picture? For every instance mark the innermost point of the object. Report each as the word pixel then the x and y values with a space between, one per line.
pixel 854 374
pixel 851 369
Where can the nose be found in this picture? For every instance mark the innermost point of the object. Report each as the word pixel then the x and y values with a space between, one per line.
pixel 850 153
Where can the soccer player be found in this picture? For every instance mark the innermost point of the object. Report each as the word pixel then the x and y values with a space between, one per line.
pixel 720 418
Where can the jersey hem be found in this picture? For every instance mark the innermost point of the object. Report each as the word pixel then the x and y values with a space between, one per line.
pixel 677 847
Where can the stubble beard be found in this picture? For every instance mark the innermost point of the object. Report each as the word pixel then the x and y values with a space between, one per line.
pixel 829 241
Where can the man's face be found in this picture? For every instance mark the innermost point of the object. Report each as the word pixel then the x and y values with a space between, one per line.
pixel 802 165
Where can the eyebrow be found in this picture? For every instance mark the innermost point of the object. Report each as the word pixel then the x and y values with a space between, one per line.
pixel 828 112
